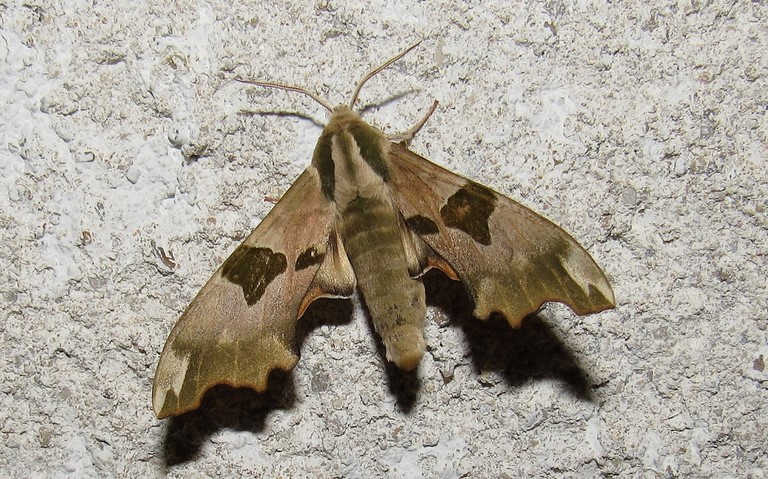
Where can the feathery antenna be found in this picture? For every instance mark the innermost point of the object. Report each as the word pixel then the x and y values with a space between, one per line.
pixel 318 98
pixel 297 89
pixel 378 69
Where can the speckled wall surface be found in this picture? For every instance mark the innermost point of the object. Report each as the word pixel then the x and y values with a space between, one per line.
pixel 131 166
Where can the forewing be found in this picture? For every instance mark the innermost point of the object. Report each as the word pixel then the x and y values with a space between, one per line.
pixel 241 325
pixel 510 259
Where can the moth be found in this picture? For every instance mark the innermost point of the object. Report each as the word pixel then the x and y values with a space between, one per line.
pixel 369 215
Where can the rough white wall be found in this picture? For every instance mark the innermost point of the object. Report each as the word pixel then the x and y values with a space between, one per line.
pixel 638 126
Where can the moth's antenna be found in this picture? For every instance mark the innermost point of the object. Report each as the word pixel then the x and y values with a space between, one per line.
pixel 378 69
pixel 297 89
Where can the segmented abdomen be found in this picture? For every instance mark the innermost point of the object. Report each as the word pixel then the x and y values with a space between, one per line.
pixel 396 302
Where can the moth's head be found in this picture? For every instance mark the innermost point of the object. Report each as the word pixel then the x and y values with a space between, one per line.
pixel 341 118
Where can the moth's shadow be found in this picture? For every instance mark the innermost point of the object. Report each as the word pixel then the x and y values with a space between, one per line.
pixel 303 116
pixel 282 114
pixel 224 407
pixel 404 385
pixel 532 351
pixel 366 108
pixel 243 409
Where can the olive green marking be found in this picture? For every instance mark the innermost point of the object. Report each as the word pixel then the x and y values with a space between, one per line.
pixel 421 225
pixel 311 256
pixel 253 269
pixel 469 210
pixel 323 161
pixel 345 143
pixel 368 139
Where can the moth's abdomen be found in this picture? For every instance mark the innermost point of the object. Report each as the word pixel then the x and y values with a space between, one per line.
pixel 395 301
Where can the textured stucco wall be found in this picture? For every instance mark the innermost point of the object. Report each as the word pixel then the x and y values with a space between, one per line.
pixel 640 127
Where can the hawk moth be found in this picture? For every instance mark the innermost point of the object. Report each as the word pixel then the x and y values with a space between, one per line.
pixel 368 214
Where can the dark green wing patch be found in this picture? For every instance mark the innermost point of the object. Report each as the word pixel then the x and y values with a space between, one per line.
pixel 322 158
pixel 421 225
pixel 469 209
pixel 368 139
pixel 309 257
pixel 253 269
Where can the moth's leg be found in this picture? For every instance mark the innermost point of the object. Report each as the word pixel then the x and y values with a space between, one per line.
pixel 408 135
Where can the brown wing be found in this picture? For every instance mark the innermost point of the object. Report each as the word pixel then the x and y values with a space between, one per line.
pixel 509 258
pixel 241 325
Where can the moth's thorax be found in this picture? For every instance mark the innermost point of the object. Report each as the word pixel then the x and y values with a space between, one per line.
pixel 352 158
